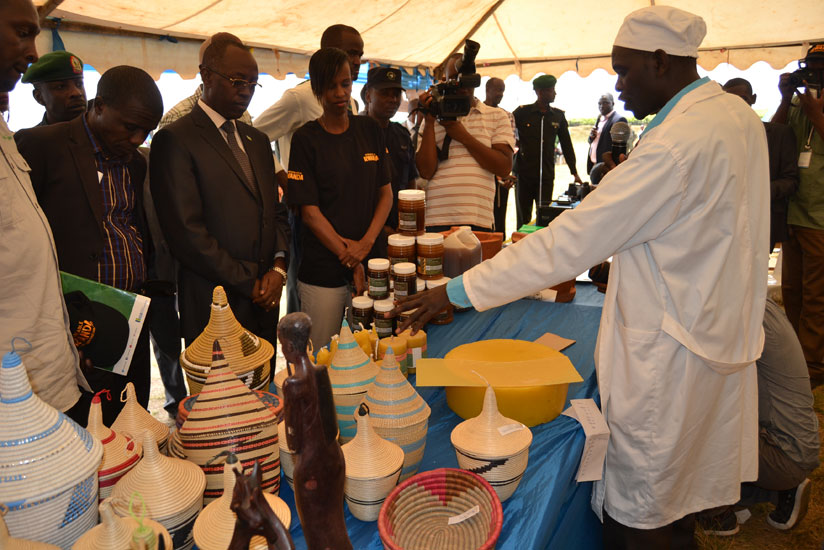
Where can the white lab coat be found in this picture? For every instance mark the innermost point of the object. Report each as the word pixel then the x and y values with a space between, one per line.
pixel 687 220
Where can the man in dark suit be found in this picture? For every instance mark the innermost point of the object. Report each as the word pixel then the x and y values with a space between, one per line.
pixel 215 191
pixel 88 178
pixel 600 140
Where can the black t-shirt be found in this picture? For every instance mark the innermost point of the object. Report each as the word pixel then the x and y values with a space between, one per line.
pixel 402 156
pixel 340 174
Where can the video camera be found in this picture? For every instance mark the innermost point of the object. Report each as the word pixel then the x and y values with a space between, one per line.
pixel 447 103
pixel 803 74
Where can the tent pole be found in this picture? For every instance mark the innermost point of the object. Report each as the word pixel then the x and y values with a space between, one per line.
pixel 46 9
pixel 474 29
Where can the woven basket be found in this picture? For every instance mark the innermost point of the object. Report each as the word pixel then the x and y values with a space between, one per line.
pixel 216 523
pixel 9 543
pixel 171 488
pixel 493 446
pixel 120 454
pixel 398 413
pixel 134 420
pixel 48 464
pixel 228 416
pixel 271 401
pixel 373 466
pixel 417 513
pixel 115 532
pixel 351 374
pixel 287 457
pixel 249 355
pixel 399 345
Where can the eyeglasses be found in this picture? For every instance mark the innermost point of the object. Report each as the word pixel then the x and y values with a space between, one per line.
pixel 238 83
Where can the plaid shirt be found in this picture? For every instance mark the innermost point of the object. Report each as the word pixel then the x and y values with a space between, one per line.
pixel 122 264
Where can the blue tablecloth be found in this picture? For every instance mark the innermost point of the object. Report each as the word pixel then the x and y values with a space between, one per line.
pixel 549 510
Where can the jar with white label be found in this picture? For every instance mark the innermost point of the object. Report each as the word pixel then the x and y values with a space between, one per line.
pixel 377 274
pixel 362 312
pixel 406 280
pixel 411 212
pixel 430 256
pixel 384 319
pixel 445 316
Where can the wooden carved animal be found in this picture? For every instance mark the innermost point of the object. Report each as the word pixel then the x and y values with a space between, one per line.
pixel 255 516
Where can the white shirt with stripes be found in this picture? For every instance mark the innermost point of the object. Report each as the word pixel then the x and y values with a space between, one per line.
pixel 461 192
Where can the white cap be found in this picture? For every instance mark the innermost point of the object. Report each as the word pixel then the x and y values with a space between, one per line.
pixel 397 239
pixel 404 268
pixel 430 239
pixel 675 31
pixel 384 305
pixel 378 264
pixel 362 302
pixel 412 195
pixel 435 283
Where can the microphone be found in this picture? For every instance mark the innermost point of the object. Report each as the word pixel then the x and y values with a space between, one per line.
pixel 619 133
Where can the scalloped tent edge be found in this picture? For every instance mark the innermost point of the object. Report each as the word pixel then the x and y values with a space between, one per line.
pixel 521 37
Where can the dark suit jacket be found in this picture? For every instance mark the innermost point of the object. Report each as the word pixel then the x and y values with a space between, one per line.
pixel 220 229
pixel 605 142
pixel 64 177
pixel 783 152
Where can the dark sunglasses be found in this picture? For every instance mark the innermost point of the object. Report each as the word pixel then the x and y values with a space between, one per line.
pixel 238 83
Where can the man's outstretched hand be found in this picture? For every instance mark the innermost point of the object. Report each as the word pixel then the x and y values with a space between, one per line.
pixel 427 304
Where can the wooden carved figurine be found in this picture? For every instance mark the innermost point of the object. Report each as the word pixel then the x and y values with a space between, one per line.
pixel 311 432
pixel 255 515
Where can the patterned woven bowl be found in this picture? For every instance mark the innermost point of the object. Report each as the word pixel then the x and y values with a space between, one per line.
pixel 48 464
pixel 249 355
pixel 444 509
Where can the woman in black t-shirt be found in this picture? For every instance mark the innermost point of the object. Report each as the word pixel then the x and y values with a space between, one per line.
pixel 339 178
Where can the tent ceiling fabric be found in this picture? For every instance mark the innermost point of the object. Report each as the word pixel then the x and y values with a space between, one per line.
pixel 521 36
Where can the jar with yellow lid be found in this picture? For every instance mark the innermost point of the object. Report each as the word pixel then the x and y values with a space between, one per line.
pixel 430 256
pixel 411 212
pixel 445 316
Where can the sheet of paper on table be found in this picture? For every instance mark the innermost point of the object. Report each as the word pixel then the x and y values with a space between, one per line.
pixel 596 432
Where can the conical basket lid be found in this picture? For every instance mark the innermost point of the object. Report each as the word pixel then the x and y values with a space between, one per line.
pixel 7 542
pixel 244 350
pixel 369 455
pixel 133 420
pixel 225 403
pixel 115 532
pixel 392 400
pixel 119 451
pixel 42 451
pixel 491 434
pixel 168 485
pixel 216 523
pixel 351 371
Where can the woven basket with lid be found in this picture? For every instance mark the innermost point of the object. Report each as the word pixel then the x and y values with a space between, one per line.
pixel 171 488
pixel 398 413
pixel 115 532
pixel 271 400
pixel 248 354
pixel 228 416
pixel 351 374
pixel 48 464
pixel 133 420
pixel 120 454
pixel 373 466
pixel 216 523
pixel 493 446
pixel 7 542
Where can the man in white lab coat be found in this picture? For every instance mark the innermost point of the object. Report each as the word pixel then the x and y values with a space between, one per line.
pixel 686 218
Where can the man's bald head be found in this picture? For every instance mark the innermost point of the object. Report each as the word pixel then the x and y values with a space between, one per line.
pixel 19 26
pixel 495 88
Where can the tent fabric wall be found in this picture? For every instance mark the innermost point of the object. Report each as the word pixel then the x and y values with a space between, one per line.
pixel 517 36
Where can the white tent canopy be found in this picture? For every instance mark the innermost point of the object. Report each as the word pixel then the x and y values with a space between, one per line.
pixel 520 37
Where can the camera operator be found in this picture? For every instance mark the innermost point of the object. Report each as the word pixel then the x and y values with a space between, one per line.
pixel 461 189
pixel 802 282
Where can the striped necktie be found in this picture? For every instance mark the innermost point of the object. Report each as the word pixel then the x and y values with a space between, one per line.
pixel 241 157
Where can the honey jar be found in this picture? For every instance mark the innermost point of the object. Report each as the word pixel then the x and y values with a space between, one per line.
pixel 411 212
pixel 445 316
pixel 401 248
pixel 378 278
pixel 406 281
pixel 384 320
pixel 362 312
pixel 430 256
